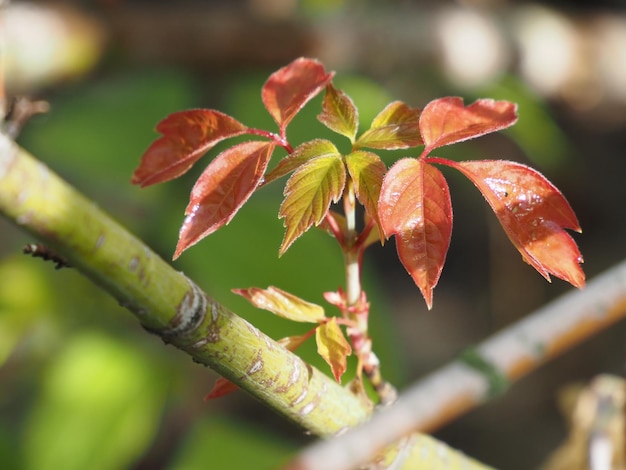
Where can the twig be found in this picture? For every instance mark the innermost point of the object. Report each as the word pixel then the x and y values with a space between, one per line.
pixel 18 111
pixel 39 250
pixel 459 387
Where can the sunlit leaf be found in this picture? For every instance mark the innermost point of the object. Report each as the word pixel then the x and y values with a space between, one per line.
pixel 283 304
pixel 395 127
pixel 303 153
pixel 533 213
pixel 187 135
pixel 308 194
pixel 445 121
pixel 367 171
pixel 224 186
pixel 415 207
pixel 288 89
pixel 221 388
pixel 333 346
pixel 339 113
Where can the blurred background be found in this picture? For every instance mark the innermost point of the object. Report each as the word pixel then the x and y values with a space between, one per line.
pixel 81 383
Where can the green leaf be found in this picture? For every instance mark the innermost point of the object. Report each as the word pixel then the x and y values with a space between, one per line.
pixel 302 154
pixel 367 171
pixel 283 304
pixel 308 194
pixel 395 127
pixel 333 346
pixel 339 113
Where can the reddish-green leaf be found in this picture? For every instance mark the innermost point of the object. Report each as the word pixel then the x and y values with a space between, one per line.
pixel 339 113
pixel 533 213
pixel 415 206
pixel 283 304
pixel 395 127
pixel 221 387
pixel 367 171
pixel 333 346
pixel 288 89
pixel 446 120
pixel 291 343
pixel 223 187
pixel 308 194
pixel 334 223
pixel 187 135
pixel 303 153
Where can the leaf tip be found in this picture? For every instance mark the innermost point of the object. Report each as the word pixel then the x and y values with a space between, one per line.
pixel 221 388
pixel 427 293
pixel 181 246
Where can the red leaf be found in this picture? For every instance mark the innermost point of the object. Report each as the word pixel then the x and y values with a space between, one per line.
pixel 223 187
pixel 288 89
pixel 187 135
pixel 533 213
pixel 445 121
pixel 222 387
pixel 333 346
pixel 415 206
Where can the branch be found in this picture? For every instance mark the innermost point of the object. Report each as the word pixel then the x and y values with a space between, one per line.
pixel 464 384
pixel 165 301
pixel 169 304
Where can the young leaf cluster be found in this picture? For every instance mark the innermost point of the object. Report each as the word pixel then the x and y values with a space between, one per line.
pixel 410 200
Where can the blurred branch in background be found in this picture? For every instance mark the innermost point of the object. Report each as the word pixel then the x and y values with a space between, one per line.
pixel 484 372
pixel 595 415
pixel 575 58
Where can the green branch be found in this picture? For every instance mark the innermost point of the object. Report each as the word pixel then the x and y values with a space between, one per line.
pixel 165 301
pixel 169 304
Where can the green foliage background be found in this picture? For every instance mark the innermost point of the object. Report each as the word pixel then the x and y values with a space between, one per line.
pixel 83 386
